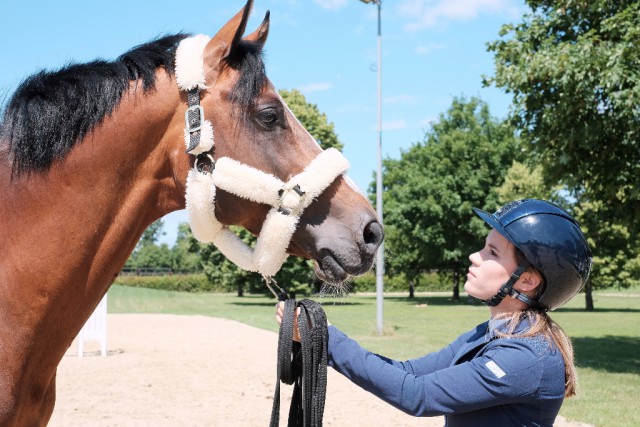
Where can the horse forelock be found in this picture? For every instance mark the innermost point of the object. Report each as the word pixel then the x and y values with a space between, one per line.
pixel 247 59
pixel 52 111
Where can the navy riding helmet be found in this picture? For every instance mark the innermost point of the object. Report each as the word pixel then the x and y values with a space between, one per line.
pixel 551 241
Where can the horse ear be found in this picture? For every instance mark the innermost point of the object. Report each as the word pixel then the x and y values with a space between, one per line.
pixel 259 36
pixel 222 44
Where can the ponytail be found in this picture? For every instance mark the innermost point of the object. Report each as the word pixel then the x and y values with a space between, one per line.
pixel 540 323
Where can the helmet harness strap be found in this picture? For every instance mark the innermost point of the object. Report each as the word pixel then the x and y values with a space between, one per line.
pixel 507 289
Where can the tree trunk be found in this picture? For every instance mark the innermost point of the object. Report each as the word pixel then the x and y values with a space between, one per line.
pixel 412 289
pixel 588 296
pixel 240 290
pixel 456 285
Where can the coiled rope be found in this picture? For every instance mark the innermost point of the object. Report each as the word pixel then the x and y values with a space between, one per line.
pixel 303 364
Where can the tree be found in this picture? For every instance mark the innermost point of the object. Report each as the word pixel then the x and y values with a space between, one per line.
pixel 151 235
pixel 147 254
pixel 616 260
pixel 524 182
pixel 312 119
pixel 183 258
pixel 573 68
pixel 431 190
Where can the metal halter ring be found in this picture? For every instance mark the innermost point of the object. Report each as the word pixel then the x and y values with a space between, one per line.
pixel 205 167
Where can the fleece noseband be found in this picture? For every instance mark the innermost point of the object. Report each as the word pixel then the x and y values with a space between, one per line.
pixel 288 200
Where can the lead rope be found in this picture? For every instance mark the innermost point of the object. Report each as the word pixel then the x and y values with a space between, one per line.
pixel 303 364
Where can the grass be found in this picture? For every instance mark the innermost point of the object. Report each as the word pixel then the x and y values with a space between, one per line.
pixel 607 341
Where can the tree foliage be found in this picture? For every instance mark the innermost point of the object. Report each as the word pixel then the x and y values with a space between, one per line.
pixel 573 68
pixel 522 182
pixel 312 119
pixel 149 256
pixel 431 190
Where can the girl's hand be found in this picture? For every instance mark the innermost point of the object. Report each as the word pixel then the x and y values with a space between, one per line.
pixel 280 313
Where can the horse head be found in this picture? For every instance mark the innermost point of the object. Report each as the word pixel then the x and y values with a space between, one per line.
pixel 267 154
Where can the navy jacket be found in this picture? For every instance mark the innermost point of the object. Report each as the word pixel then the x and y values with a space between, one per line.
pixel 478 380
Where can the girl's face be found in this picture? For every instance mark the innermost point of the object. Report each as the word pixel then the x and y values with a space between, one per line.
pixel 490 267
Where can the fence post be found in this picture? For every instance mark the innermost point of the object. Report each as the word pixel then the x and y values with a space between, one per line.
pixel 95 329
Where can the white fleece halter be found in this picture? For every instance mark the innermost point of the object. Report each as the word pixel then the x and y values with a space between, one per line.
pixel 287 199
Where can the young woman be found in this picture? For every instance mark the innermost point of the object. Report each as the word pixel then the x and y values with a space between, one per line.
pixel 516 368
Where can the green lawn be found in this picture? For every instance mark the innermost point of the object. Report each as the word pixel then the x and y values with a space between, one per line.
pixel 607 341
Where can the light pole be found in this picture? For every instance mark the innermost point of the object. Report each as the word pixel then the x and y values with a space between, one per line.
pixel 380 255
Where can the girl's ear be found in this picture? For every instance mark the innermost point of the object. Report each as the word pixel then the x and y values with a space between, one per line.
pixel 528 281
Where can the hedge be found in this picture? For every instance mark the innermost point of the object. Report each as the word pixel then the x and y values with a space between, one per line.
pixel 174 282
pixel 199 283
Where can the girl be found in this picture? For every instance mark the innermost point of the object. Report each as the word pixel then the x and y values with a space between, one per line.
pixel 516 368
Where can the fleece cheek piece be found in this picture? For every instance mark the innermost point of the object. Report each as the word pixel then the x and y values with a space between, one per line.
pixel 288 201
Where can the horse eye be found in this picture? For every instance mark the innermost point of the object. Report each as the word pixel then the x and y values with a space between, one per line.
pixel 268 116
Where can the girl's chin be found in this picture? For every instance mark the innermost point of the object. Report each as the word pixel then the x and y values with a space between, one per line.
pixel 468 287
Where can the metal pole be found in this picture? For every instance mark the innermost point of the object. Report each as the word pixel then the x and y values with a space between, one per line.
pixel 380 255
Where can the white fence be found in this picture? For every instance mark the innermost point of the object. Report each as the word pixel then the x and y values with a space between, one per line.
pixel 95 329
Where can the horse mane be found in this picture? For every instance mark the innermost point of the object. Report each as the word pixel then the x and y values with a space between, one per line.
pixel 51 111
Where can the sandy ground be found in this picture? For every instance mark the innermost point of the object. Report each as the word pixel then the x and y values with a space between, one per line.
pixel 165 370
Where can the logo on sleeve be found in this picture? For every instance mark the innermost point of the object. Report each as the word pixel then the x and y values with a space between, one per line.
pixel 493 367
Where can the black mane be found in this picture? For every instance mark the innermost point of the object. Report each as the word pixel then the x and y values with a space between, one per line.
pixel 51 111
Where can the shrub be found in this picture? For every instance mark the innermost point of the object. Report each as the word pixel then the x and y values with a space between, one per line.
pixel 174 282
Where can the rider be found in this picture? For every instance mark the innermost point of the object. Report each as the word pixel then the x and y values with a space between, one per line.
pixel 514 369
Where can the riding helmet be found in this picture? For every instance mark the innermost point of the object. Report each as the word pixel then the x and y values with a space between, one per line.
pixel 551 241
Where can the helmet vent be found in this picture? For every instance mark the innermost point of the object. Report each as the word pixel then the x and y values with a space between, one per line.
pixel 508 207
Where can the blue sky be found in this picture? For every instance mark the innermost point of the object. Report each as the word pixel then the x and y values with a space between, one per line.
pixel 432 51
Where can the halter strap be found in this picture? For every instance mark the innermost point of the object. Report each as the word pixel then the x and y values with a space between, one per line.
pixel 287 199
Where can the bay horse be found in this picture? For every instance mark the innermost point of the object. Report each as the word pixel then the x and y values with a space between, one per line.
pixel 92 154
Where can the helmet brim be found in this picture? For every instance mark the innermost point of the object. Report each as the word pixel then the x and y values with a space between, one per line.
pixel 492 221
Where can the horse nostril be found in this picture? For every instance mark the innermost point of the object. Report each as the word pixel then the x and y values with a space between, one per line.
pixel 373 234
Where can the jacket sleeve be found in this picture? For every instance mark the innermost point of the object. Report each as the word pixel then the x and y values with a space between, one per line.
pixel 422 365
pixel 503 374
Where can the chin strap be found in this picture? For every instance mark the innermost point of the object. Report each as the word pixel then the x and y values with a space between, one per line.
pixel 507 289
pixel 287 199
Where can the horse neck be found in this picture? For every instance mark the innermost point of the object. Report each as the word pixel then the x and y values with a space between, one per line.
pixel 68 231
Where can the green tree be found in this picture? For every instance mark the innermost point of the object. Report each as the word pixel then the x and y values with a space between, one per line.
pixel 312 119
pixel 152 234
pixel 573 68
pixel 183 258
pixel 431 189
pixel 147 254
pixel 523 182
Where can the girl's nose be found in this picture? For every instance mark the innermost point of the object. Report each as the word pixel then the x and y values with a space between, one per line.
pixel 474 257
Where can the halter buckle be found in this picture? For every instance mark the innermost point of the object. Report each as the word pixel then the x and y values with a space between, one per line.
pixel 195 124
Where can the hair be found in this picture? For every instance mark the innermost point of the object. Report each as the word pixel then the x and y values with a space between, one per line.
pixel 246 57
pixel 542 324
pixel 51 111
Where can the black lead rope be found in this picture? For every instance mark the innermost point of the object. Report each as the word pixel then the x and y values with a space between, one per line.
pixel 303 364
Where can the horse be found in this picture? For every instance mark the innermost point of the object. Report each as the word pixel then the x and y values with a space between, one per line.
pixel 91 154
